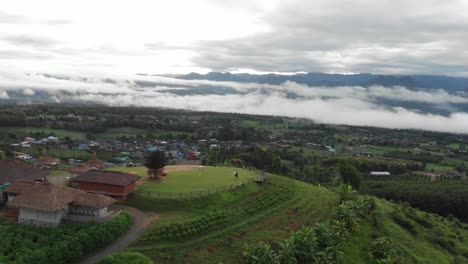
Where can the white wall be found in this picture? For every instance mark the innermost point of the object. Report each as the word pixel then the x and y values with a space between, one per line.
pixel 41 218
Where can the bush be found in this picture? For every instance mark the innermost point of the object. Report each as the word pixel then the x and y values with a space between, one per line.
pixel 65 244
pixel 260 253
pixel 405 223
pixel 126 257
pixel 384 251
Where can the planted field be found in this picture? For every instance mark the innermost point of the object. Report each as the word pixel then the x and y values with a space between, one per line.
pixel 135 132
pixel 214 228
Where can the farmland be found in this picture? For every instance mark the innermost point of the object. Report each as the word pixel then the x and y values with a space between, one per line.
pixel 22 132
pixel 214 228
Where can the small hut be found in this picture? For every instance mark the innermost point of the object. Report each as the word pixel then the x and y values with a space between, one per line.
pixel 94 162
pixel 46 160
pixel 79 169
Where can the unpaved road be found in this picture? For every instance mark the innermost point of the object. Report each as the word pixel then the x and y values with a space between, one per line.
pixel 140 222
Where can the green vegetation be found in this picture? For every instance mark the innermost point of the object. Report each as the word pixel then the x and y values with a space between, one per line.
pixel 126 258
pixel 155 161
pixel 57 173
pixel 22 132
pixel 444 198
pixel 416 236
pixel 140 171
pixel 322 243
pixel 349 173
pixel 24 244
pixel 253 213
pixel 198 179
pixel 58 152
pixel 360 230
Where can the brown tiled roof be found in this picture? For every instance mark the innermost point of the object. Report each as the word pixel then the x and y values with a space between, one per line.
pixel 47 160
pixel 14 171
pixel 46 196
pixel 94 162
pixel 19 187
pixel 93 200
pixel 80 169
pixel 107 177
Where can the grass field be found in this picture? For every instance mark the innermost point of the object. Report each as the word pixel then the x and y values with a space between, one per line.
pixel 25 131
pixel 140 171
pixel 133 132
pixel 198 179
pixel 313 152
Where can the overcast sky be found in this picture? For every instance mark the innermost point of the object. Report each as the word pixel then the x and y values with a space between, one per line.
pixel 338 36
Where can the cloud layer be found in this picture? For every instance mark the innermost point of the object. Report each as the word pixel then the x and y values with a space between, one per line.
pixel 352 105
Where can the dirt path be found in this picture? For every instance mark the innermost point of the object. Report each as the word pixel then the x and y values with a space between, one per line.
pixel 140 222
pixel 59 179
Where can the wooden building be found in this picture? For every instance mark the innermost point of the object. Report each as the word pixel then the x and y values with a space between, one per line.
pixel 113 183
pixel 48 205
pixel 12 171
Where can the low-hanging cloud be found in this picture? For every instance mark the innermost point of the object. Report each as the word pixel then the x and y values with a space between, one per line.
pixel 353 105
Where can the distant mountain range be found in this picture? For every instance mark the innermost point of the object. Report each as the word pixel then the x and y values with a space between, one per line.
pixel 449 84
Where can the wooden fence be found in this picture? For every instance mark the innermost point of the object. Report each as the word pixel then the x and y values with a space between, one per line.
pixel 188 195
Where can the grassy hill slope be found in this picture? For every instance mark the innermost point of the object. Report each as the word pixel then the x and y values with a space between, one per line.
pixel 215 228
pixel 420 237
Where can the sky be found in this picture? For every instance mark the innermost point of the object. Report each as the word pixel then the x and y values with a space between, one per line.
pixel 154 36
pixel 91 41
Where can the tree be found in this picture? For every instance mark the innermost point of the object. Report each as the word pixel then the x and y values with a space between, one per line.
pixel 276 164
pixel 155 162
pixel 349 173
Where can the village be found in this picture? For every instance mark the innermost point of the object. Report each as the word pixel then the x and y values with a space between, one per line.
pixel 55 180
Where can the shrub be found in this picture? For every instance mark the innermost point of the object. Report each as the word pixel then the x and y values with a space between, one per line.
pixel 405 223
pixel 126 257
pixel 260 253
pixel 384 251
pixel 64 244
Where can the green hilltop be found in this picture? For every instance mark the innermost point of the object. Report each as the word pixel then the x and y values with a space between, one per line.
pixel 218 228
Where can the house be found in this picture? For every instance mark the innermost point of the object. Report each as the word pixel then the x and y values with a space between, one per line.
pixel 113 183
pixel 94 162
pixel 48 205
pixel 20 155
pixel 46 160
pixel 14 171
pixel 379 173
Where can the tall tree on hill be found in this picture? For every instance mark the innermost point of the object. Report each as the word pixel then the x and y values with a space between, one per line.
pixel 349 174
pixel 155 162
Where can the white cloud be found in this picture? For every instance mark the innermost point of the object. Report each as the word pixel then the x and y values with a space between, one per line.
pixel 339 105
pixel 4 95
